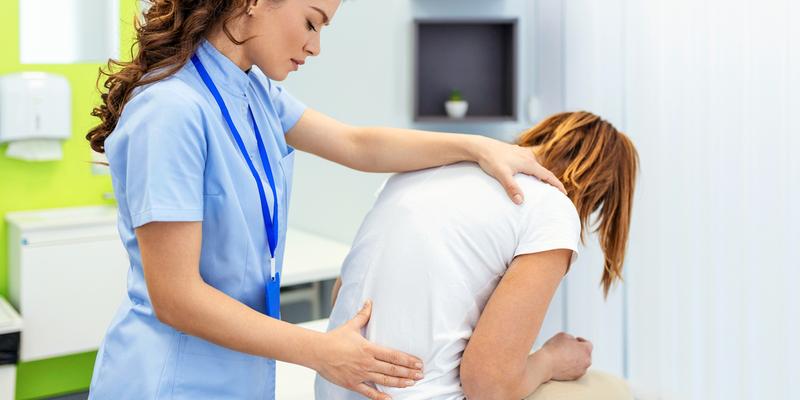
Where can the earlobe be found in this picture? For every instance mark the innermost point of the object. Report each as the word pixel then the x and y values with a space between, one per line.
pixel 250 8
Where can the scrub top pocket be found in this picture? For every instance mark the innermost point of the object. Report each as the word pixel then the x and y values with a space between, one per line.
pixel 203 370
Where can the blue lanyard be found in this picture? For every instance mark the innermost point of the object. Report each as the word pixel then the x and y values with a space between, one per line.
pixel 270 223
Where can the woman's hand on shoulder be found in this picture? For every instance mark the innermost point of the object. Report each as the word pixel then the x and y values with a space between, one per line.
pixel 351 361
pixel 502 161
pixel 569 356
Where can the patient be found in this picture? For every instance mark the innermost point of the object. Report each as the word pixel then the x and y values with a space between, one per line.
pixel 461 277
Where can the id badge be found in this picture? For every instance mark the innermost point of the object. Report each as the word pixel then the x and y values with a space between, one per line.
pixel 274 296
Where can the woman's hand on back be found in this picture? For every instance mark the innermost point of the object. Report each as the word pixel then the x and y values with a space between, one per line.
pixel 351 361
pixel 569 356
pixel 502 160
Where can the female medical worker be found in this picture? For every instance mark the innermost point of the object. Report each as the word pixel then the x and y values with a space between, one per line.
pixel 200 146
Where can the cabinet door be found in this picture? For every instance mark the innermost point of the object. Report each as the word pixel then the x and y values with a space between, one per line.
pixel 70 290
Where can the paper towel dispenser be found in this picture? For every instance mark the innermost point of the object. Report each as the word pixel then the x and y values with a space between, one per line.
pixel 35 114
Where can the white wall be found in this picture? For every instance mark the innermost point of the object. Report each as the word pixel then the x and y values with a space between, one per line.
pixel 708 92
pixel 364 77
pixel 593 81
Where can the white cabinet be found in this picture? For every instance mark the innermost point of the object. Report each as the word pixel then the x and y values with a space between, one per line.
pixel 67 275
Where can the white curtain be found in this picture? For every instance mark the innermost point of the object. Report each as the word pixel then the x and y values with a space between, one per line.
pixel 709 90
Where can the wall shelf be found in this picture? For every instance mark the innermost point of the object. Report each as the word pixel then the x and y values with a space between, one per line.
pixel 478 57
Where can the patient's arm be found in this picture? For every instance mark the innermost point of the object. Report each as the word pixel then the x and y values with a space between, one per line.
pixel 496 363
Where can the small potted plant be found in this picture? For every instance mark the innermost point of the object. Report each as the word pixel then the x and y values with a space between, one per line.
pixel 456 106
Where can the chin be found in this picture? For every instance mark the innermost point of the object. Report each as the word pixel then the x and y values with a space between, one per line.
pixel 277 76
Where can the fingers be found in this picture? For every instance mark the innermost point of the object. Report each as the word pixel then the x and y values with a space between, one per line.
pixel 361 319
pixel 545 175
pixel 550 178
pixel 397 358
pixel 371 393
pixel 534 168
pixel 390 381
pixel 512 190
pixel 392 370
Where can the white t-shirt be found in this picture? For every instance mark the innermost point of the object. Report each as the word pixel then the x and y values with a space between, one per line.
pixel 430 253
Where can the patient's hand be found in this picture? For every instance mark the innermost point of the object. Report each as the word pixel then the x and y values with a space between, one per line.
pixel 569 356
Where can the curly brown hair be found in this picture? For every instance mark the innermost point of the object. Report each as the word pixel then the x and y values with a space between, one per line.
pixel 167 35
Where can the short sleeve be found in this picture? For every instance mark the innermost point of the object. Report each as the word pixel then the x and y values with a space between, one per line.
pixel 289 109
pixel 160 153
pixel 550 223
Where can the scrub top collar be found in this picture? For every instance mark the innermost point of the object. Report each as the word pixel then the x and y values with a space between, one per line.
pixel 225 73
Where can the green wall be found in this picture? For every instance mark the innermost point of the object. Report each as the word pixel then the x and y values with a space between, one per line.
pixel 65 183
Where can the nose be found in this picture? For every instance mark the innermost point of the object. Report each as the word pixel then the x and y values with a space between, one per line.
pixel 313 46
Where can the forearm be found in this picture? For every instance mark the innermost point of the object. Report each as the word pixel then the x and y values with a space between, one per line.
pixel 486 377
pixel 381 149
pixel 537 371
pixel 203 311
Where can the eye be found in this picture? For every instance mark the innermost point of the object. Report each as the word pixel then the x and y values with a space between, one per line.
pixel 310 26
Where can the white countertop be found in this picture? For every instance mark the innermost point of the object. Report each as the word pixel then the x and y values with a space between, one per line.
pixel 62 217
pixel 310 257
pixel 10 320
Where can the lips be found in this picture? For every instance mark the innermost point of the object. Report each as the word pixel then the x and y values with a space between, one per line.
pixel 297 63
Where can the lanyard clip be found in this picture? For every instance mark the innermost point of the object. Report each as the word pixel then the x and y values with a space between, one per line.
pixel 272 268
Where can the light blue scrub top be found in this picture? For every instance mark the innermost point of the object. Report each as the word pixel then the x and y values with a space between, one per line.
pixel 172 158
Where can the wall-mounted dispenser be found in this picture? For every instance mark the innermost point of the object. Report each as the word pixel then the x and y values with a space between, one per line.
pixel 35 115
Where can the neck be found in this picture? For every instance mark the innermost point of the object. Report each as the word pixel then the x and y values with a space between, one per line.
pixel 234 52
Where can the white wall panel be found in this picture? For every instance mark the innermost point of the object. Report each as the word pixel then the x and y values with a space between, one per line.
pixel 593 68
pixel 708 93
pixel 708 96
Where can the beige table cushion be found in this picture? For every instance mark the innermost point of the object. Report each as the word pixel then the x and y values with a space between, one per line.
pixel 595 385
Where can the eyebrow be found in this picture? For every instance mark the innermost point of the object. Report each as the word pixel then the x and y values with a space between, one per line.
pixel 325 19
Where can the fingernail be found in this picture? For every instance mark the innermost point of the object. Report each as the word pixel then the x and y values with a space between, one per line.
pixel 409 383
pixel 517 199
pixel 418 365
pixel 418 375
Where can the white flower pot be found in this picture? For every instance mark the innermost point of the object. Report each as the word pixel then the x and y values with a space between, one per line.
pixel 456 109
